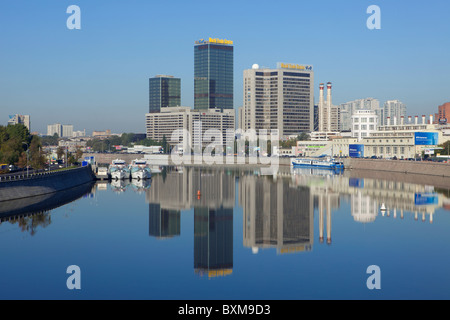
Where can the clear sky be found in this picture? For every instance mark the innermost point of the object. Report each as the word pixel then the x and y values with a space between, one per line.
pixel 96 78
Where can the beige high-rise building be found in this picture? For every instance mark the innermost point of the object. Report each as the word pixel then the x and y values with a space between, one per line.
pixel 281 98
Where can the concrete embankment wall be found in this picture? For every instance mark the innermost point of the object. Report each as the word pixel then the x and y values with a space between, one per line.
pixel 45 183
pixel 428 168
pixel 168 160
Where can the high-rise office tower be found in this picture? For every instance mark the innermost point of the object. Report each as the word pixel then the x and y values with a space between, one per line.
pixel 213 74
pixel 281 98
pixel 164 91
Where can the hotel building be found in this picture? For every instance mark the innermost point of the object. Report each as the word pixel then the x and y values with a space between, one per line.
pixel 281 98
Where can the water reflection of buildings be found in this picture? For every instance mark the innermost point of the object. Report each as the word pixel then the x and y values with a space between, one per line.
pixel 211 194
pixel 371 197
pixel 276 214
pixel 163 223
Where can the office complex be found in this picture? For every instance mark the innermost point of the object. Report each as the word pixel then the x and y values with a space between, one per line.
pixel 281 98
pixel 196 122
pixel 164 91
pixel 213 74
pixel 22 119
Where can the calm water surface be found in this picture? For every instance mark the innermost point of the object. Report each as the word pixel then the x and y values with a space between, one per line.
pixel 297 235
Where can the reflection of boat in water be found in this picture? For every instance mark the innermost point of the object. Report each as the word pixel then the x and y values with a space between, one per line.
pixel 316 171
pixel 140 185
pixel 140 170
pixel 325 163
pixel 119 170
pixel 156 169
pixel 119 185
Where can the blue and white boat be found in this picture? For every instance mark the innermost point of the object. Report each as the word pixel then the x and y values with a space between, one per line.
pixel 119 170
pixel 326 163
pixel 140 170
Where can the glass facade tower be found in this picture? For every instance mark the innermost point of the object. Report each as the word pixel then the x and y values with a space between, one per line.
pixel 213 74
pixel 165 91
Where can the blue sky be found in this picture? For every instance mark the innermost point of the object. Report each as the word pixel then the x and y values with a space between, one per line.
pixel 96 78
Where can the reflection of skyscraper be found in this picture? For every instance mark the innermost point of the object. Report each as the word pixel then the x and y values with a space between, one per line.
pixel 213 241
pixel 276 215
pixel 163 223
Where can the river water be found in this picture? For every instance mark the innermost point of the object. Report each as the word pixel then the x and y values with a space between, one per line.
pixel 202 233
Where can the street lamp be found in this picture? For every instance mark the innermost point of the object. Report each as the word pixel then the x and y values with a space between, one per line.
pixel 24 143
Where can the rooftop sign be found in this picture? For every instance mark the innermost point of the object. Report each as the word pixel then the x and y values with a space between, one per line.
pixel 282 65
pixel 214 40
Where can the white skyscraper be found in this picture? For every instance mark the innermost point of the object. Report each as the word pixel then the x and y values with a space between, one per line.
pixel 394 109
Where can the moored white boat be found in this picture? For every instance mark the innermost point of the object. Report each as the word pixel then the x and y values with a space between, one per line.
pixel 140 170
pixel 119 170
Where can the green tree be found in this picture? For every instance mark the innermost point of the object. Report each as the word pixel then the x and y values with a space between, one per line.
pixel 60 152
pixel 445 148
pixel 36 155
pixel 164 144
pixel 78 154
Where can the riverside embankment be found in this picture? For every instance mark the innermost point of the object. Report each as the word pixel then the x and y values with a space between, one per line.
pixel 428 168
pixel 44 183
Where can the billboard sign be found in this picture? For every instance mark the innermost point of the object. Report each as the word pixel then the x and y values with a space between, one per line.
pixel 425 138
pixel 356 150
pixel 423 199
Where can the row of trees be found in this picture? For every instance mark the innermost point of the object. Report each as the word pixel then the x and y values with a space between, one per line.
pixel 126 139
pixel 18 147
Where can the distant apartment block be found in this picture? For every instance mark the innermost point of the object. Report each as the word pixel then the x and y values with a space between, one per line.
pixel 393 109
pixel 349 108
pixel 54 128
pixel 62 130
pixel 164 91
pixel 20 119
